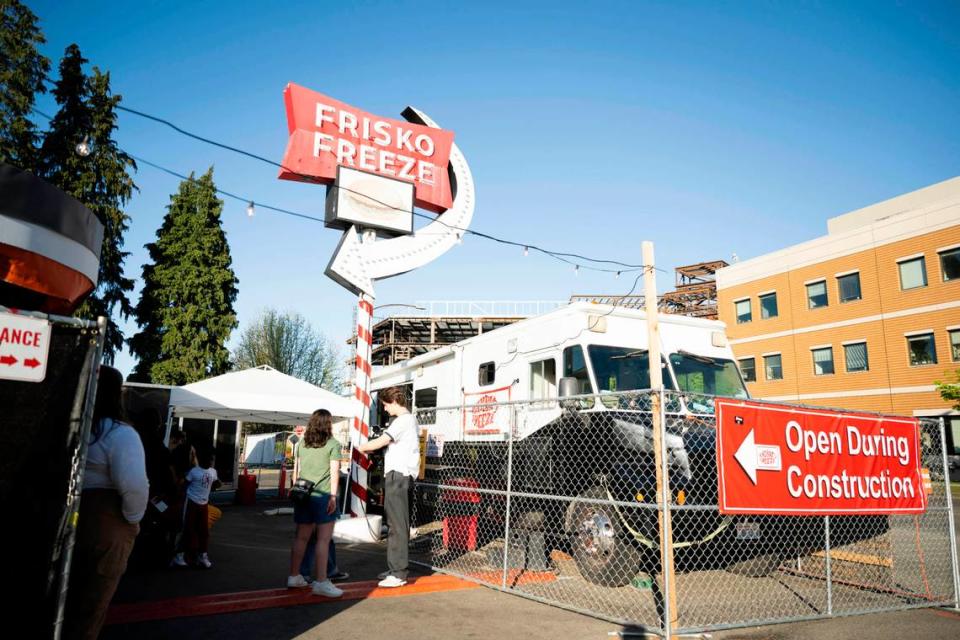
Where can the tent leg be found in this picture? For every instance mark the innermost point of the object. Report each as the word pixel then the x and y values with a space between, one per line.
pixel 166 433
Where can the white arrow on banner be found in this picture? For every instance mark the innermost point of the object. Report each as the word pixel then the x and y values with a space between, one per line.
pixel 753 456
pixel 356 265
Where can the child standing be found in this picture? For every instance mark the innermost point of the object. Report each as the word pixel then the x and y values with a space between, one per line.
pixel 201 479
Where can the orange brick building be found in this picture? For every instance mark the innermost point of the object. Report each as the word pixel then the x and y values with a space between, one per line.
pixel 866 317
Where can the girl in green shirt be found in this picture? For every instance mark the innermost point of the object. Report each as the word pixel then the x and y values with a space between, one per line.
pixel 317 458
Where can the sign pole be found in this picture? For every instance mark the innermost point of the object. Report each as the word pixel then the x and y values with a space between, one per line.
pixel 659 443
pixel 359 461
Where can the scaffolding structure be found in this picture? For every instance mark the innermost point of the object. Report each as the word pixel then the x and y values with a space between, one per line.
pixel 695 294
pixel 427 325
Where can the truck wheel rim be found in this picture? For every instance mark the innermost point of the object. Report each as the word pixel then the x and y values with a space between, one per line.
pixel 597 535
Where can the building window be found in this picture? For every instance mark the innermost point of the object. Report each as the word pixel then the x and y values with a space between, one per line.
pixel 950 264
pixel 913 273
pixel 817 294
pixel 955 345
pixel 748 368
pixel 922 349
pixel 487 373
pixel 822 361
pixel 855 355
pixel 773 367
pixel 543 380
pixel 849 287
pixel 768 306
pixel 743 311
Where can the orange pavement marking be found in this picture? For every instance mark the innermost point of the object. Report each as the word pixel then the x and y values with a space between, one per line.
pixel 269 598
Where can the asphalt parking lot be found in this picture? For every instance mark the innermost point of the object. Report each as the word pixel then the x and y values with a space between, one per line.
pixel 242 596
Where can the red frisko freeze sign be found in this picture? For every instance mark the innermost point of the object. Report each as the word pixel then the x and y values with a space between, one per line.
pixel 783 460
pixel 326 133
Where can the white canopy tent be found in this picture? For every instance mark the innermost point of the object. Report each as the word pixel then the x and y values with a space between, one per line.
pixel 261 394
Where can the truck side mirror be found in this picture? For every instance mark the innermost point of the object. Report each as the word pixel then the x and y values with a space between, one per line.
pixel 568 387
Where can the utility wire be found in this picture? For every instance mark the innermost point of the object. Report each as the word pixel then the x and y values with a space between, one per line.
pixel 307 178
pixel 560 256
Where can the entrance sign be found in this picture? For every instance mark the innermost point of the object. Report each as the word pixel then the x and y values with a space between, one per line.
pixel 326 134
pixel 24 346
pixel 783 460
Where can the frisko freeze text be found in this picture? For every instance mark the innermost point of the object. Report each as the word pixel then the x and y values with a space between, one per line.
pixel 384 154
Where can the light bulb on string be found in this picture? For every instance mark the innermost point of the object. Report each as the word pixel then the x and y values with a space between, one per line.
pixel 526 251
pixel 459 238
pixel 250 209
pixel 83 147
pixel 576 270
pixel 618 275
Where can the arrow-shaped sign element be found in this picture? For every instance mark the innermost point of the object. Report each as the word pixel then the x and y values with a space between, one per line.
pixel 356 265
pixel 753 456
pixel 8 360
pixel 33 363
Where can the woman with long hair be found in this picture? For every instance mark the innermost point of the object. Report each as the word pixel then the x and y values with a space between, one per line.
pixel 316 458
pixel 112 503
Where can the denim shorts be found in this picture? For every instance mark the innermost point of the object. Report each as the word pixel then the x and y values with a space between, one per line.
pixel 314 511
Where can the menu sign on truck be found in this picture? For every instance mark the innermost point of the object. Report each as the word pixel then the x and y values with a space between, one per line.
pixel 783 460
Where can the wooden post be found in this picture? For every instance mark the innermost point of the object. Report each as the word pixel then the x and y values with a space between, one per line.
pixel 668 584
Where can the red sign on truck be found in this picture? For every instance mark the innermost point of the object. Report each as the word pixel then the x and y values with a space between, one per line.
pixel 784 460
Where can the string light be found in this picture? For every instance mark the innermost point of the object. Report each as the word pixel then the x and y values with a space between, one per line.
pixel 250 209
pixel 526 251
pixel 459 238
pixel 618 275
pixel 576 270
pixel 83 147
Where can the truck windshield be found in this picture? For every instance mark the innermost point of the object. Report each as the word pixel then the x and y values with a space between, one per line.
pixel 706 375
pixel 622 369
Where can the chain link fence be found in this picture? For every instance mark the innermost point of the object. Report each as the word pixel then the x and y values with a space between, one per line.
pixel 557 501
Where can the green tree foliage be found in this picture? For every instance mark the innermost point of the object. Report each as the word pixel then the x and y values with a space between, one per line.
pixel 22 71
pixel 100 180
pixel 288 343
pixel 185 311
pixel 950 391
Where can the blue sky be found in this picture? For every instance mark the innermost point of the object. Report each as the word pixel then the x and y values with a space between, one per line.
pixel 708 128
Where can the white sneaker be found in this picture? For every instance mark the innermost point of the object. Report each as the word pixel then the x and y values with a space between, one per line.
pixel 391 582
pixel 178 561
pixel 204 561
pixel 327 589
pixel 297 581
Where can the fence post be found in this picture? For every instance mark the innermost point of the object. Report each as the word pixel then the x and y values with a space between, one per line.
pixel 952 524
pixel 659 442
pixel 826 526
pixel 506 522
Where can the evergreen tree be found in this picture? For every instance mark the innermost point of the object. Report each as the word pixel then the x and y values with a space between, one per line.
pixel 22 72
pixel 185 311
pixel 100 180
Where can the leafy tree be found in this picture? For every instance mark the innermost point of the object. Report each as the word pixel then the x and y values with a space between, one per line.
pixel 185 311
pixel 288 343
pixel 22 72
pixel 100 180
pixel 950 391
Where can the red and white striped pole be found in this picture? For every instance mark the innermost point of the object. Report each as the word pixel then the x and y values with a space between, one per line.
pixel 360 462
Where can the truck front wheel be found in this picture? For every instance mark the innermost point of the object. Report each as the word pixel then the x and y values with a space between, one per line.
pixel 603 553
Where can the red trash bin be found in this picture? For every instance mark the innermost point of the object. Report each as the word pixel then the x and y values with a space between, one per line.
pixel 460 519
pixel 246 489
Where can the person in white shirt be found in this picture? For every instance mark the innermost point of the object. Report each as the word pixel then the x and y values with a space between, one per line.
pixel 196 518
pixel 400 465
pixel 112 503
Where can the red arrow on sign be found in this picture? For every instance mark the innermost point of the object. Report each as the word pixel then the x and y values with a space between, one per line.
pixel 8 360
pixel 33 363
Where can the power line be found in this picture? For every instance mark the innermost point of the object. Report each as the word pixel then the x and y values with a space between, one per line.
pixel 205 140
pixel 560 256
